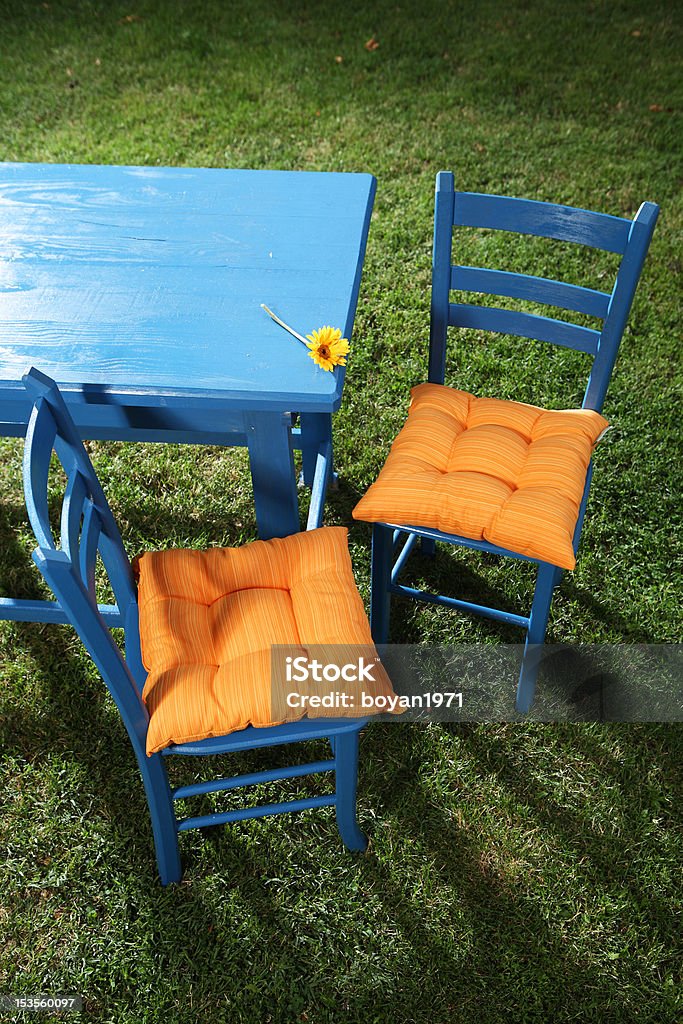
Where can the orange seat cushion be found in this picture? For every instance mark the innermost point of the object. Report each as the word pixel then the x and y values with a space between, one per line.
pixel 208 620
pixel 486 469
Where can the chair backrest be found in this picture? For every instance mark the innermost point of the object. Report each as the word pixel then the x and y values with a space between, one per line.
pixel 628 238
pixel 87 528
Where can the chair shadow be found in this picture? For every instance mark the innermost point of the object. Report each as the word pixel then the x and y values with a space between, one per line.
pixel 603 850
pixel 18 577
pixel 486 903
pixel 480 889
pixel 626 627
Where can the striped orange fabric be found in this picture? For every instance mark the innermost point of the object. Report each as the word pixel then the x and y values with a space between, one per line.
pixel 208 620
pixel 487 469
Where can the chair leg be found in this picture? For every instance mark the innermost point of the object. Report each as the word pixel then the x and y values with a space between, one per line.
pixel 380 598
pixel 347 782
pixel 164 825
pixel 547 578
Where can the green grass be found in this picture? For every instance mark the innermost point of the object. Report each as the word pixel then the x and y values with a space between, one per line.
pixel 516 873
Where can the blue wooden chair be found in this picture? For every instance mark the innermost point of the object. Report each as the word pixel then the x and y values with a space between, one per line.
pixel 88 529
pixel 629 239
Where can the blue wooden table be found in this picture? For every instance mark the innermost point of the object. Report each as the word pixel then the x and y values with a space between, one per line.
pixel 139 290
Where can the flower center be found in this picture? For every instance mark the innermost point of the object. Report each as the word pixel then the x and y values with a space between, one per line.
pixel 324 352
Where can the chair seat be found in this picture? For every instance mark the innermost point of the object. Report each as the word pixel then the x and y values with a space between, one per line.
pixel 208 620
pixel 487 469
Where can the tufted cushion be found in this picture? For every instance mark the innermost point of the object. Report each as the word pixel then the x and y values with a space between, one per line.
pixel 208 620
pixel 486 469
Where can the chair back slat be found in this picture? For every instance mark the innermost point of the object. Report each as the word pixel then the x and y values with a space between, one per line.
pixel 628 238
pixel 81 529
pixel 546 220
pixel 89 546
pixel 532 289
pixel 525 325
pixel 40 439
pixel 75 494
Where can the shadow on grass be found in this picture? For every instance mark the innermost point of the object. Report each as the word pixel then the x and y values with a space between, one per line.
pixel 450 980
pixel 499 918
pixel 18 577
pixel 508 924
pixel 627 628
pixel 603 848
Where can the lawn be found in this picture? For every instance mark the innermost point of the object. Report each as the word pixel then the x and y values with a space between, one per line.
pixel 517 872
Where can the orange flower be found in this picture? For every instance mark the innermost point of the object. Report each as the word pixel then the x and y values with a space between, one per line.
pixel 327 347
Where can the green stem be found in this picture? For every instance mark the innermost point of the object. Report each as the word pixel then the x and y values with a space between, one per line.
pixel 291 330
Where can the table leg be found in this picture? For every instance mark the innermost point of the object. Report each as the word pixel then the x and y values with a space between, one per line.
pixel 316 431
pixel 269 441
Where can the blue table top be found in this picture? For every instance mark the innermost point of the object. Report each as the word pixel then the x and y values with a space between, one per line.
pixel 147 282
